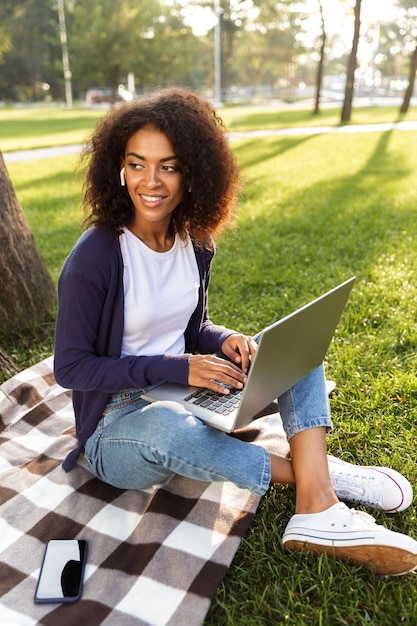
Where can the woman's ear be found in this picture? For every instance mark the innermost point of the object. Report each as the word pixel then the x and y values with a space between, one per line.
pixel 122 177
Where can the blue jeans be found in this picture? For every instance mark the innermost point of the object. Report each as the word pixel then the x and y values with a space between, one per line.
pixel 138 444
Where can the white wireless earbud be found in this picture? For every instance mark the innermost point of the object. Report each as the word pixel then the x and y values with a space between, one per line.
pixel 122 177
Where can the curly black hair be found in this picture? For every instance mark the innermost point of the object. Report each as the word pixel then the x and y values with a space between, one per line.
pixel 198 137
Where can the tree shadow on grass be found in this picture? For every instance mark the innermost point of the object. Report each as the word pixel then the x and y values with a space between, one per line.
pixel 318 236
pixel 279 147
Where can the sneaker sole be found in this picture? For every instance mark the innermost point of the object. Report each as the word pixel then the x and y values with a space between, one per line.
pixel 383 560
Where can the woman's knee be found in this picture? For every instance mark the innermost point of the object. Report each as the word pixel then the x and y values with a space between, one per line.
pixel 145 441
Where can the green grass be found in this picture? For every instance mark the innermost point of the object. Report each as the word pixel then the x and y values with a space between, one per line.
pixel 40 127
pixel 43 126
pixel 241 118
pixel 315 210
pixel 49 191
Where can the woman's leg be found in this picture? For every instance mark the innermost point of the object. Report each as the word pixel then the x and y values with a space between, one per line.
pixel 314 490
pixel 139 444
pixel 306 405
pixel 305 413
pixel 321 523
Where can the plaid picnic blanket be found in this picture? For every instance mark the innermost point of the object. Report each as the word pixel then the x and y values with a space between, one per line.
pixel 156 557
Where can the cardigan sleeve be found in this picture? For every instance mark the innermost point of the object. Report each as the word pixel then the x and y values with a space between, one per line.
pixel 89 326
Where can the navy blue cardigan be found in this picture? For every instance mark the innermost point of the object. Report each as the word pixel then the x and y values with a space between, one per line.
pixel 89 332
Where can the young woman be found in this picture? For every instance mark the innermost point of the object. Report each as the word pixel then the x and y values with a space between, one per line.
pixel 161 181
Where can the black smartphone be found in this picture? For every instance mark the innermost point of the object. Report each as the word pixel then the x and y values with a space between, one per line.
pixel 62 571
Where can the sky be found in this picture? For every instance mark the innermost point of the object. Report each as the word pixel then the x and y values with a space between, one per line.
pixel 202 20
pixel 371 10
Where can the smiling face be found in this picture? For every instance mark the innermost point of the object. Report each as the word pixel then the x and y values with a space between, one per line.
pixel 153 178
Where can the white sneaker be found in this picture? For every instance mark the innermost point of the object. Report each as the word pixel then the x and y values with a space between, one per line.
pixel 352 535
pixel 376 487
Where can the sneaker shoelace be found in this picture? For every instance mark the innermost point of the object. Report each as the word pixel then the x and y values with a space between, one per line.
pixel 362 489
pixel 364 516
pixel 352 514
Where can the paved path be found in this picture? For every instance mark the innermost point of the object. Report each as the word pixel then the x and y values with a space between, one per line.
pixel 40 153
pixel 43 153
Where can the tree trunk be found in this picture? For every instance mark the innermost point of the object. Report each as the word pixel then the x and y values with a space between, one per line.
pixel 319 79
pixel 411 80
pixel 350 76
pixel 27 292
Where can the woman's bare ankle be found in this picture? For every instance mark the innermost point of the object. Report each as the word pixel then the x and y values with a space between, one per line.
pixel 315 504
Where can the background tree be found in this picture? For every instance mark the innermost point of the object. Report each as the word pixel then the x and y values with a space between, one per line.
pixel 29 63
pixel 411 82
pixel 352 63
pixel 409 32
pixel 119 37
pixel 27 292
pixel 5 42
pixel 273 44
pixel 265 49
pixel 176 55
pixel 147 38
pixel 320 66
pixel 233 18
pixel 389 60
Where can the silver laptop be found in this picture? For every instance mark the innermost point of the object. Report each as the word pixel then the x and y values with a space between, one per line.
pixel 288 350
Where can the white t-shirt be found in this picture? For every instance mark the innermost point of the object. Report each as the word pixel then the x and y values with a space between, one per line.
pixel 160 292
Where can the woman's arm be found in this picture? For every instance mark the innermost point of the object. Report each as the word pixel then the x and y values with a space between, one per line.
pixel 89 327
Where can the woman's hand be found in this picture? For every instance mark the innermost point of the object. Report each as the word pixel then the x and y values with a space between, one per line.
pixel 240 349
pixel 208 370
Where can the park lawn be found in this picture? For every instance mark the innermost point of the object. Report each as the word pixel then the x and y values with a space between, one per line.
pixel 315 210
pixel 24 128
pixel 261 117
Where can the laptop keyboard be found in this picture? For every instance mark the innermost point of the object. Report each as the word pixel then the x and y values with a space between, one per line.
pixel 216 401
